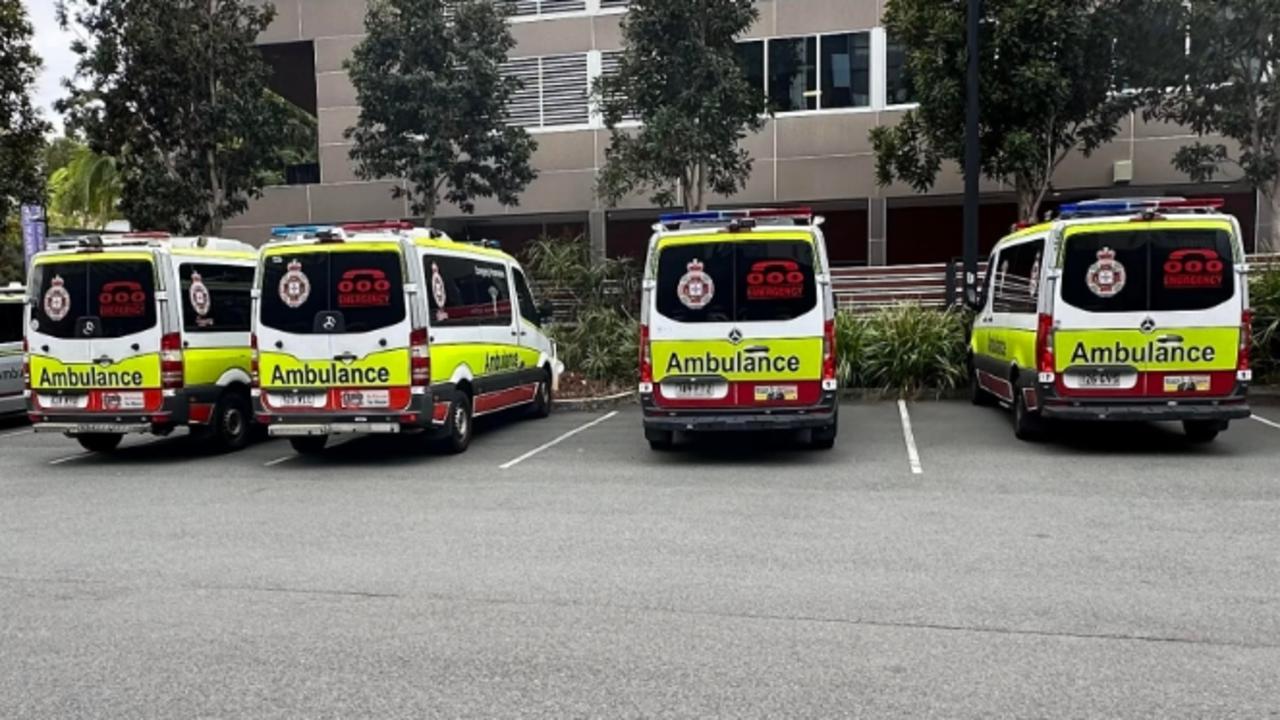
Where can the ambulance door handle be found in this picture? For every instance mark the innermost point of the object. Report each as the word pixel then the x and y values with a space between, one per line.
pixel 1170 339
pixel 105 360
pixel 757 349
pixel 345 357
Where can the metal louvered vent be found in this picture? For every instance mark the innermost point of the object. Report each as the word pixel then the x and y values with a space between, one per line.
pixel 614 3
pixel 525 8
pixel 555 91
pixel 608 68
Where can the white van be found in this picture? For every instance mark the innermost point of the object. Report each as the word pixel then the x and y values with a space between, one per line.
pixel 738 326
pixel 387 328
pixel 1118 310
pixel 140 333
pixel 12 301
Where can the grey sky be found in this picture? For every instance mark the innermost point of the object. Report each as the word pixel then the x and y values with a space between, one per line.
pixel 54 47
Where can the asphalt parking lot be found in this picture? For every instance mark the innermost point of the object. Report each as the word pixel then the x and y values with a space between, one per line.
pixel 561 569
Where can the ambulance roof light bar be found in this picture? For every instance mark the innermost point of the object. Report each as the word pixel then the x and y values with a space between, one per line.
pixel 323 233
pixel 373 227
pixel 674 221
pixel 1131 206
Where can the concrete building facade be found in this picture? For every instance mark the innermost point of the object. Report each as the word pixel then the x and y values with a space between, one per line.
pixel 827 64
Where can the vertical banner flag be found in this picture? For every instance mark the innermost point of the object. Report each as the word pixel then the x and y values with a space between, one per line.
pixel 33 231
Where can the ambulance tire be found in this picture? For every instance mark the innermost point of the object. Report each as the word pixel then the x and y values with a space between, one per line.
pixel 457 425
pixel 310 444
pixel 824 438
pixel 1027 425
pixel 977 395
pixel 1202 432
pixel 542 400
pixel 100 442
pixel 232 419
pixel 660 440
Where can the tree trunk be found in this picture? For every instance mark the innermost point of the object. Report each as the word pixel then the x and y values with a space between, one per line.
pixel 1269 242
pixel 1030 195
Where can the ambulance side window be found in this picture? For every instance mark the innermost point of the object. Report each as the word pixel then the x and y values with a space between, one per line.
pixel 215 298
pixel 528 309
pixel 10 322
pixel 467 293
pixel 1017 278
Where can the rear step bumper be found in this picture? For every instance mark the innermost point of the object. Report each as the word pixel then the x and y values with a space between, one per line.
pixel 337 428
pixel 1154 412
pixel 713 420
pixel 417 417
pixel 89 427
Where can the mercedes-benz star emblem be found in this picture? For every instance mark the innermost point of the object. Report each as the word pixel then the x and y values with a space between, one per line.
pixel 1148 325
pixel 735 336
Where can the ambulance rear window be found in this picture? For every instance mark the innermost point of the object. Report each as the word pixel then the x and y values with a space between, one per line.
pixel 737 281
pixel 10 322
pixel 333 292
pixel 102 299
pixel 1148 270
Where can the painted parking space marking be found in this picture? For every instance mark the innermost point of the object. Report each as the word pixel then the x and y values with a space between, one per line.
pixel 17 433
pixel 557 441
pixel 913 453
pixel 277 461
pixel 69 458
pixel 1269 423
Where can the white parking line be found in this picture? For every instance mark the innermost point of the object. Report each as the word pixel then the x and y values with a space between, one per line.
pixel 69 458
pixel 16 433
pixel 557 441
pixel 913 454
pixel 1267 422
pixel 279 460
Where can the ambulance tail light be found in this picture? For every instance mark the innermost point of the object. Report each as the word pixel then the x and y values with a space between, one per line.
pixel 1244 371
pixel 1044 348
pixel 171 362
pixel 646 361
pixel 419 358
pixel 26 364
pixel 829 381
pixel 253 359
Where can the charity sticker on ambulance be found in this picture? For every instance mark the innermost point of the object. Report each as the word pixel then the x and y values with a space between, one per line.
pixel 737 326
pixel 1118 310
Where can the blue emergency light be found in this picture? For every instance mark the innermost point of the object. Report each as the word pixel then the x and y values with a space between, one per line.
pixel 288 231
pixel 1124 206
pixel 726 216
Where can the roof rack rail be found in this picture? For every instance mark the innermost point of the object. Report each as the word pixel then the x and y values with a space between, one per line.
pixel 1135 206
pixel 797 215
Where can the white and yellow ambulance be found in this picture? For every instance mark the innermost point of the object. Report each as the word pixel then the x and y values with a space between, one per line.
pixel 1118 310
pixel 12 301
pixel 738 326
pixel 388 328
pixel 141 333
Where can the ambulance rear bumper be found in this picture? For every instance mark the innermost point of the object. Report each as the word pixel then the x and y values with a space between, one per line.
pixel 727 420
pixel 337 428
pixel 417 417
pixel 1148 412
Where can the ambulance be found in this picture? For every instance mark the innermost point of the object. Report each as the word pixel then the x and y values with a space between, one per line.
pixel 1120 310
pixel 738 326
pixel 12 301
pixel 385 328
pixel 140 334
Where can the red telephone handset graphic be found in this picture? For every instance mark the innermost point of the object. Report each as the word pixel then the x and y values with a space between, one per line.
pixel 1191 268
pixel 121 292
pixel 775 272
pixel 363 281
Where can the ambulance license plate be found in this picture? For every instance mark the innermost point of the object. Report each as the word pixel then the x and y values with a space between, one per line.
pixel 777 393
pixel 1100 379
pixel 123 401
pixel 296 400
pixel 353 399
pixel 695 390
pixel 64 402
pixel 1186 383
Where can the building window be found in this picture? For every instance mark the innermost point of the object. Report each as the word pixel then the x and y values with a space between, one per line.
pixel 846 70
pixel 751 56
pixel 555 91
pixel 899 89
pixel 793 75
pixel 525 8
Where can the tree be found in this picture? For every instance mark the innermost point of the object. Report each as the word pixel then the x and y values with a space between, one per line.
pixel 21 127
pixel 433 104
pixel 1049 72
pixel 680 76
pixel 1226 86
pixel 175 91
pixel 85 193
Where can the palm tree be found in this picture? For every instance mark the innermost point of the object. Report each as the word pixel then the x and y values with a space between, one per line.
pixel 86 192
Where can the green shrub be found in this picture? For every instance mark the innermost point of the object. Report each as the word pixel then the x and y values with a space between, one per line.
pixel 1264 296
pixel 904 349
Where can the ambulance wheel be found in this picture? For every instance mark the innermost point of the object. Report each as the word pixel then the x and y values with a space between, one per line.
pixel 458 425
pixel 660 440
pixel 309 445
pixel 1202 431
pixel 100 443
pixel 824 438
pixel 1026 424
pixel 542 400
pixel 977 395
pixel 231 421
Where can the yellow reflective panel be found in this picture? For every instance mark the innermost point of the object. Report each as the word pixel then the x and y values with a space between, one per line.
pixel 1199 349
pixel 388 368
pixel 752 359
pixel 138 372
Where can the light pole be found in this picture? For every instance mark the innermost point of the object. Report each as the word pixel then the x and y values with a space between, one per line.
pixel 972 158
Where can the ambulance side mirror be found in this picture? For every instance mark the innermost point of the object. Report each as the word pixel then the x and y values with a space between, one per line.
pixel 974 299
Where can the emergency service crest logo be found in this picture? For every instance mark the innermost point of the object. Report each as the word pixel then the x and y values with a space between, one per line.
pixel 438 292
pixel 57 301
pixel 696 288
pixel 295 288
pixel 199 295
pixel 1106 277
